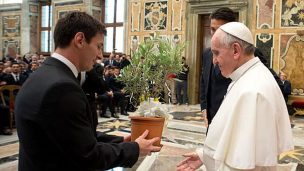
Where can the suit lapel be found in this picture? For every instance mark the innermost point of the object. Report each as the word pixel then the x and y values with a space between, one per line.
pixel 55 62
pixel 208 66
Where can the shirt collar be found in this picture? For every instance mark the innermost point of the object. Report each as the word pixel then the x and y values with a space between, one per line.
pixel 240 71
pixel 66 62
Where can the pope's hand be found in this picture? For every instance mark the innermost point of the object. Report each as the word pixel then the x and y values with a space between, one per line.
pixel 191 163
pixel 204 117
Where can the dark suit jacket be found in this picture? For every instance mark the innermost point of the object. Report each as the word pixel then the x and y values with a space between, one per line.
pixel 55 126
pixel 115 63
pixel 10 80
pixel 286 90
pixel 217 90
pixel 114 84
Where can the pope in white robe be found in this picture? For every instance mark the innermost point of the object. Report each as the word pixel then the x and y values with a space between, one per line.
pixel 251 127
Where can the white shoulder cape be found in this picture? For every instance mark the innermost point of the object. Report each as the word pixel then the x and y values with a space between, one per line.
pixel 252 125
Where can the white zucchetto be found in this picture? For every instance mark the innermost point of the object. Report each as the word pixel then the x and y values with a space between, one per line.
pixel 238 30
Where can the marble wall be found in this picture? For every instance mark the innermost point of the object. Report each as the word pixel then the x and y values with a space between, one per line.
pixel 280 35
pixel 10 32
pixel 147 17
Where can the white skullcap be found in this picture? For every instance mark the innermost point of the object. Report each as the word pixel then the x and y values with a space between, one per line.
pixel 238 30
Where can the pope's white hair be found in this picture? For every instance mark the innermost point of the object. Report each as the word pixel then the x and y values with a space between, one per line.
pixel 227 40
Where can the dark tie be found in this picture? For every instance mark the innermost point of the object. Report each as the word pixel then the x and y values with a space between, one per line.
pixel 17 78
pixel 79 77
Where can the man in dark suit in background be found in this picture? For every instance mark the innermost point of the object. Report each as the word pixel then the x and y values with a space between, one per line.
pixel 213 84
pixel 53 117
pixel 111 61
pixel 286 86
pixel 16 77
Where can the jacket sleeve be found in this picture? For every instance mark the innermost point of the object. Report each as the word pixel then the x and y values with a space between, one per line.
pixel 102 137
pixel 203 95
pixel 68 123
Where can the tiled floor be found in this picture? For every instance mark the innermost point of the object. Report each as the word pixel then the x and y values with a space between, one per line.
pixel 184 133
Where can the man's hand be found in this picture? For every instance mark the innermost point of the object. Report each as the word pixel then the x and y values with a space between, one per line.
pixel 191 163
pixel 146 146
pixel 110 93
pixel 204 117
pixel 127 138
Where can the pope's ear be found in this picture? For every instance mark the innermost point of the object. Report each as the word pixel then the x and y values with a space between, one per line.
pixel 237 50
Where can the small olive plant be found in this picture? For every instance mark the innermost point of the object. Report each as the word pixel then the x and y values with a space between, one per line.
pixel 145 77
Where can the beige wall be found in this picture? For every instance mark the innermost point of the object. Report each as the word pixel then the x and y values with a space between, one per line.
pixel 281 23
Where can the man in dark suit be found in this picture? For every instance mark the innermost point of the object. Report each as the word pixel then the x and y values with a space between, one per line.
pixel 118 91
pixel 286 86
pixel 53 117
pixel 111 61
pixel 15 78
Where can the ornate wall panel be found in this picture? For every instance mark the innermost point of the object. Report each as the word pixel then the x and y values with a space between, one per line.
pixel 293 64
pixel 97 14
pixel 33 8
pixel 135 17
pixel 96 3
pixel 292 13
pixel 156 15
pixel 34 33
pixel 264 42
pixel 6 42
pixel 11 26
pixel 177 12
pixel 148 17
pixel 134 43
pixel 265 14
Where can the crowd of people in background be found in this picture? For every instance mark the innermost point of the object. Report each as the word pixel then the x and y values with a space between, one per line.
pixel 14 70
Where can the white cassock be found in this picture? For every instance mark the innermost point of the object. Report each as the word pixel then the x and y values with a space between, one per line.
pixel 251 127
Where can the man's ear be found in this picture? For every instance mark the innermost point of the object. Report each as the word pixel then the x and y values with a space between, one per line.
pixel 237 50
pixel 79 39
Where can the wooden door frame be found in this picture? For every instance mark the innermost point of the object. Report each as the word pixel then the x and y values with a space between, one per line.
pixel 194 10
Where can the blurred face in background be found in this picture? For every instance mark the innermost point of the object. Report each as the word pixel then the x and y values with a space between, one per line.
pixel 283 76
pixel 16 68
pixel 34 66
pixel 215 24
pixel 116 72
pixel 117 58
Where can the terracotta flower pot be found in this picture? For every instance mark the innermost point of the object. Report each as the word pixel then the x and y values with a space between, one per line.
pixel 139 124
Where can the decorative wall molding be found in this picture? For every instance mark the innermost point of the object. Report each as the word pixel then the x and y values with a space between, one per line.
pixel 292 14
pixel 177 12
pixel 207 6
pixel 10 7
pixel 135 17
pixel 156 14
pixel 67 2
pixel 264 41
pixel 265 14
pixel 11 26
